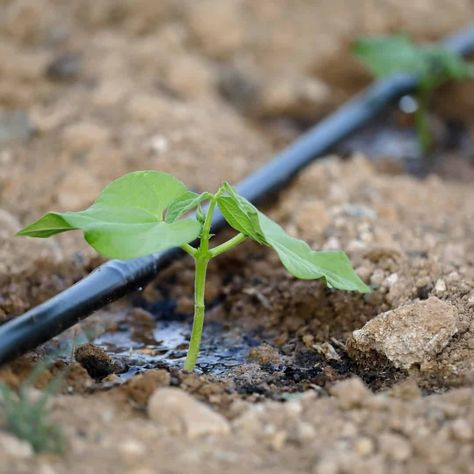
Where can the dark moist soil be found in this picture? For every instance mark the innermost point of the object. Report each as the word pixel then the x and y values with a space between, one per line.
pixel 299 378
pixel 270 356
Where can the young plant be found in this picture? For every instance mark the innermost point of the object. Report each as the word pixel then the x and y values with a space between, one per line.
pixel 27 416
pixel 432 64
pixel 142 213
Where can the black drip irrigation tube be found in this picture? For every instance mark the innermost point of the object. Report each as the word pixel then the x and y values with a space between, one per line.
pixel 116 278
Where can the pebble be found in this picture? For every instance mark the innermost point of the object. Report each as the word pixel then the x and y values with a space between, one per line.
pixel 364 446
pixel 462 430
pixel 15 447
pixel 394 446
pixel 182 414
pixel 407 335
pixel 132 448
pixel 440 286
pixel 350 393
pixel 391 279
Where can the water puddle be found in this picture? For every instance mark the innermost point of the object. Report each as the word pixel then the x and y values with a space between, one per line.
pixel 221 349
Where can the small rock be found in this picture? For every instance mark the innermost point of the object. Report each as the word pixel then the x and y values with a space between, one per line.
pixel 217 27
pixel 440 287
pixel 158 144
pixel 264 354
pixel 15 447
pixel 327 350
pixel 140 388
pixel 394 446
pixel 378 277
pixel 462 430
pixel 182 414
pixel 132 448
pixel 407 335
pixel 350 393
pixel 391 280
pixel 278 440
pixel 364 446
pixel 304 432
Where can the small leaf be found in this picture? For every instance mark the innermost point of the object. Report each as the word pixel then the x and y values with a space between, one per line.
pixel 185 203
pixel 241 214
pixel 126 221
pixel 303 262
pixel 385 55
pixel 444 65
pixel 296 255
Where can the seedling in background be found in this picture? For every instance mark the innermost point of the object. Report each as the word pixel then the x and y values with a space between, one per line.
pixel 27 416
pixel 432 64
pixel 142 213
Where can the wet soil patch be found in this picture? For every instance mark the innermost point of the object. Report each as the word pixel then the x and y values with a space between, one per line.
pixel 269 355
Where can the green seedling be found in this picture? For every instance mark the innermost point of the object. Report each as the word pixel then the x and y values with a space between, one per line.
pixel 27 416
pixel 432 64
pixel 145 212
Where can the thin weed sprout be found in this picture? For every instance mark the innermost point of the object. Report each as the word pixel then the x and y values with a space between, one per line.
pixel 27 414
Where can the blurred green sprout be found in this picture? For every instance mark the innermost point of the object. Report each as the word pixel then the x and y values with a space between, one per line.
pixel 432 64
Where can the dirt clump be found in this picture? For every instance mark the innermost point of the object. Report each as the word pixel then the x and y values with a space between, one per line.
pixel 408 335
pixel 140 388
pixel 96 361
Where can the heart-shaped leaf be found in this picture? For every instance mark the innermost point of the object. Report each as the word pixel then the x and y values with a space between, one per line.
pixel 305 263
pixel 296 255
pixel 126 220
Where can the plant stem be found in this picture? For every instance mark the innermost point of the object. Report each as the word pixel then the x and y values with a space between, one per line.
pixel 201 256
pixel 189 249
pixel 199 308
pixel 230 244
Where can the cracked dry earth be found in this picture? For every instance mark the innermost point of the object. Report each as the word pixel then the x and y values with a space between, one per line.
pixel 294 377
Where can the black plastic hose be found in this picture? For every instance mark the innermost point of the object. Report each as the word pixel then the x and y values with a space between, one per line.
pixel 117 278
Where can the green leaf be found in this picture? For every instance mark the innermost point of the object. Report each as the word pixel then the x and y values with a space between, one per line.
pixel 307 264
pixel 241 214
pixel 385 55
pixel 126 220
pixel 296 255
pixel 185 203
pixel 444 65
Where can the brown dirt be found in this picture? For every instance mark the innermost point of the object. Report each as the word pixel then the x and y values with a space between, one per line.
pixel 208 90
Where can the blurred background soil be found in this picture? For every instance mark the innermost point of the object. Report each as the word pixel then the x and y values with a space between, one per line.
pixel 209 90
